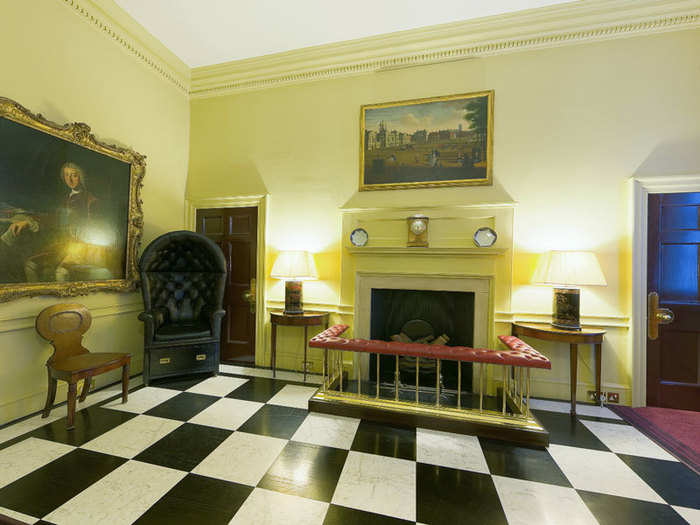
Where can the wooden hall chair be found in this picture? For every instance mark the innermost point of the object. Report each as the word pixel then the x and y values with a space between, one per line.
pixel 63 325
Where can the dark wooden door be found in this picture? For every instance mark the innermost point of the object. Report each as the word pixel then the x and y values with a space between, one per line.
pixel 235 230
pixel 673 359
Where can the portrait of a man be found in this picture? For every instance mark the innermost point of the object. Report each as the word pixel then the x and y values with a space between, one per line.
pixel 63 209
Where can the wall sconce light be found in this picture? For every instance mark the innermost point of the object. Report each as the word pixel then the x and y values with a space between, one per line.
pixel 293 267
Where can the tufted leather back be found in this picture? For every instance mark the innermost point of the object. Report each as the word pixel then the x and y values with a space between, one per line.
pixel 183 275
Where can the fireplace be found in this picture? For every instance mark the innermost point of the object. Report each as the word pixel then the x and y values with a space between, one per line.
pixel 431 316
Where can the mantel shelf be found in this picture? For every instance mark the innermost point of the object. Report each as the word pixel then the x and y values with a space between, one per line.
pixel 404 250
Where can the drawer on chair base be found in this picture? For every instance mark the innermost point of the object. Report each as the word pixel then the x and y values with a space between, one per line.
pixel 180 360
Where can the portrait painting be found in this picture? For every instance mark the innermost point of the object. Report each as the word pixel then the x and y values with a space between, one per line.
pixel 68 220
pixel 432 142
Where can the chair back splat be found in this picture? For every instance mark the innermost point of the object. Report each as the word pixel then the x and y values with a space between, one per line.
pixel 63 325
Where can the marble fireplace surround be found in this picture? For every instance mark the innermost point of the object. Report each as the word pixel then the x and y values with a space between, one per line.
pixel 481 286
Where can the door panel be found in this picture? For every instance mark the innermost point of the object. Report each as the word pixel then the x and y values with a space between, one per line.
pixel 235 231
pixel 673 359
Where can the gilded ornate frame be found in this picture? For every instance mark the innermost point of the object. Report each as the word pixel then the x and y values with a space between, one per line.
pixel 79 133
pixel 487 181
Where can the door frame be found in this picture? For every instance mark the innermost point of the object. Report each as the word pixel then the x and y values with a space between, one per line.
pixel 641 188
pixel 242 201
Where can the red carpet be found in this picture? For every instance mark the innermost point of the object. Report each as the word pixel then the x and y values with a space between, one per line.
pixel 678 431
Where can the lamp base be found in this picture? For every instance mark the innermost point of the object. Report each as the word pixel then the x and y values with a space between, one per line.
pixel 566 308
pixel 293 298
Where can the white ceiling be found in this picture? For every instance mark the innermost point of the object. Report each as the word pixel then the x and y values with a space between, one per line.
pixel 205 32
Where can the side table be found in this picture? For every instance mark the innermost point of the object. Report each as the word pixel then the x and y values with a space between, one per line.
pixel 305 319
pixel 547 332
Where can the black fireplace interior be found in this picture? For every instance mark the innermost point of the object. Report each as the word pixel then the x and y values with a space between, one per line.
pixel 419 314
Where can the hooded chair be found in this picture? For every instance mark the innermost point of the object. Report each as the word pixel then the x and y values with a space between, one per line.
pixel 183 276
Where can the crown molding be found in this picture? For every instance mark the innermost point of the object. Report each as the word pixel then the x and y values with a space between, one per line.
pixel 565 24
pixel 114 23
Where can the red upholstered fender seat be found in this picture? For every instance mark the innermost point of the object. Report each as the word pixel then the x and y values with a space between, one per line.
pixel 518 353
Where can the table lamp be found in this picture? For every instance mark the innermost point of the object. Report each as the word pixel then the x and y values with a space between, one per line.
pixel 566 271
pixel 293 267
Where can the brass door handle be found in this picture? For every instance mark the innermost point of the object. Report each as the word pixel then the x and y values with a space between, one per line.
pixel 249 296
pixel 656 316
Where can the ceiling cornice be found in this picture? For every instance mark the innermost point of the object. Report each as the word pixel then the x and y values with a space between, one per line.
pixel 114 23
pixel 560 25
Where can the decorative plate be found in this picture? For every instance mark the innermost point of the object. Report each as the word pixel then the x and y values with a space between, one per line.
pixel 359 237
pixel 485 237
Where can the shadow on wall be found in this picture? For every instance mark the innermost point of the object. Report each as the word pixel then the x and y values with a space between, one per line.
pixel 672 158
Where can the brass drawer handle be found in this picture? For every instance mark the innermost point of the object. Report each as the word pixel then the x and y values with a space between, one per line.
pixel 164 360
pixel 200 357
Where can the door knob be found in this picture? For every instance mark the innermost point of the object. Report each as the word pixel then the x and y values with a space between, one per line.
pixel 656 316
pixel 249 296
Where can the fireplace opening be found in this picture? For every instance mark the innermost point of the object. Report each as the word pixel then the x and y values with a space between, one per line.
pixel 426 316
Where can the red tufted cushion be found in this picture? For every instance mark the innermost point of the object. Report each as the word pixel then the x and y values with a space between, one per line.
pixel 518 353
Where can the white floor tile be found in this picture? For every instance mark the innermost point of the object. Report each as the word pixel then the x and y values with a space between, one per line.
pixel 28 455
pixel 528 502
pixel 245 371
pixel 242 458
pixel 327 430
pixel 625 439
pixel 450 450
pixel 294 396
pixel 120 497
pixel 378 484
pixel 143 399
pixel 133 437
pixel 24 518
pixel 565 407
pixel 692 516
pixel 265 507
pixel 604 472
pixel 217 386
pixel 227 413
pixel 29 424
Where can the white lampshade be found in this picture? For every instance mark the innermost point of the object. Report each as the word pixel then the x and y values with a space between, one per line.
pixel 294 265
pixel 569 269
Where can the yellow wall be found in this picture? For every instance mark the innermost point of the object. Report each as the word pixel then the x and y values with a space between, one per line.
pixel 57 63
pixel 572 124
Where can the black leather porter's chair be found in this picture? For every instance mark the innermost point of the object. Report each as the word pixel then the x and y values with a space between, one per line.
pixel 183 276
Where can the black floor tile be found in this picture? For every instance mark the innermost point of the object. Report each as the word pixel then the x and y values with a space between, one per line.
pixel 50 486
pixel 385 440
pixel 506 459
pixel 89 424
pixel 183 406
pixel 567 430
pixel 180 382
pixel 185 447
pixel 615 510
pixel 321 467
pixel 338 515
pixel 672 480
pixel 197 499
pixel 260 389
pixel 275 421
pixel 453 497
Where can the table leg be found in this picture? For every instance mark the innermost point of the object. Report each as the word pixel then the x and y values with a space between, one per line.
pixel 273 349
pixel 598 365
pixel 306 346
pixel 573 358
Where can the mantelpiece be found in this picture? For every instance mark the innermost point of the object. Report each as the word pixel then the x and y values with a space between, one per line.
pixel 449 252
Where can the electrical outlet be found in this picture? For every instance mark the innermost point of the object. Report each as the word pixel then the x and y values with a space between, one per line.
pixel 613 397
pixel 608 397
pixel 309 366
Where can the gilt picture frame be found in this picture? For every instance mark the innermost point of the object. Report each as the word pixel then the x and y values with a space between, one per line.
pixel 71 217
pixel 427 143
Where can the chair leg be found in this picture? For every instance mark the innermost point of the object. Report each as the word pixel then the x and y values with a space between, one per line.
pixel 72 394
pixel 125 383
pixel 86 387
pixel 50 396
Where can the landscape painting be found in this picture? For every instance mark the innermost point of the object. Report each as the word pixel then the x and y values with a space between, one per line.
pixel 440 141
pixel 64 208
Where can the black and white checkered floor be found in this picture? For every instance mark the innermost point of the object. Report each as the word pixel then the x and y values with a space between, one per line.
pixel 242 448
